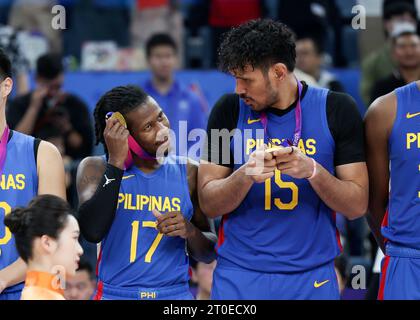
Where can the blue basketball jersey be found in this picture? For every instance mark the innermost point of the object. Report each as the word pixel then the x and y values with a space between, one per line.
pixel 282 225
pixel 18 185
pixel 133 253
pixel 402 223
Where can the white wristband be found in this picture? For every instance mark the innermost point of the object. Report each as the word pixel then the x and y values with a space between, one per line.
pixel 314 171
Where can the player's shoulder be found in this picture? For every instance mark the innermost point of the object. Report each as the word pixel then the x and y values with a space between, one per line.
pixel 21 137
pixel 382 108
pixel 225 107
pixel 92 164
pixel 190 163
pixel 47 151
pixel 225 113
pixel 192 174
pixel 342 107
pixel 227 101
pixel 340 100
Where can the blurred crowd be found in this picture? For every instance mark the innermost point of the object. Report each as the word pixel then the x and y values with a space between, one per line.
pixel 163 36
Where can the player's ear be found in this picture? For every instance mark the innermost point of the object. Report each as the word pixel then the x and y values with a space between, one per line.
pixel 279 71
pixel 6 87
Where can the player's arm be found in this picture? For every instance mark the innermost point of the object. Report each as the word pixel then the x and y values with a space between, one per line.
pixel 98 184
pixel 50 170
pixel 199 232
pixel 50 167
pixel 220 190
pixel 346 191
pixel 378 123
pixel 12 274
pixel 202 239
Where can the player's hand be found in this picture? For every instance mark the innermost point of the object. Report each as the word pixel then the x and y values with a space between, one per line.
pixel 173 224
pixel 261 165
pixel 116 140
pixel 291 161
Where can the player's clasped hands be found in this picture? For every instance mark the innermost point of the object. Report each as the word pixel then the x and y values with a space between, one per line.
pixel 173 224
pixel 291 161
pixel 261 165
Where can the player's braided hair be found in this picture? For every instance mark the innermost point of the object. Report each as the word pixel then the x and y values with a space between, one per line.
pixel 258 43
pixel 119 99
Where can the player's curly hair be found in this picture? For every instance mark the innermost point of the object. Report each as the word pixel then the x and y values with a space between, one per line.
pixel 258 43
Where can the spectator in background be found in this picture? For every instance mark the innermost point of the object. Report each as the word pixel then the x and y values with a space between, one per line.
pixel 316 18
pixel 81 285
pixel 5 6
pixel 405 49
pixel 202 276
pixel 11 42
pixel 35 16
pixel 310 59
pixel 96 20
pixel 176 99
pixel 380 64
pixel 225 14
pixel 157 16
pixel 52 134
pixel 48 104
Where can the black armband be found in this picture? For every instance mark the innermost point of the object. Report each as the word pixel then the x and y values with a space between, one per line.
pixel 97 214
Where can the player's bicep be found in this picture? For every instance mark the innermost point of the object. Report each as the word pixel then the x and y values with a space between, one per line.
pixel 346 126
pixel 89 174
pixel 353 172
pixel 198 219
pixel 208 172
pixel 50 166
pixel 378 123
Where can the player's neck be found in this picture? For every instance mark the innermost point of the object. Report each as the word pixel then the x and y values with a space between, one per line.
pixel 146 166
pixel 410 74
pixel 288 93
pixel 203 295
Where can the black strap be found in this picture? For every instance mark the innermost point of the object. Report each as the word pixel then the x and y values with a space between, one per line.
pixel 36 147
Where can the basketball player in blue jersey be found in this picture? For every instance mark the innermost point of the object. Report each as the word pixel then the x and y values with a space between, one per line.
pixel 145 217
pixel 28 167
pixel 278 238
pixel 392 126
